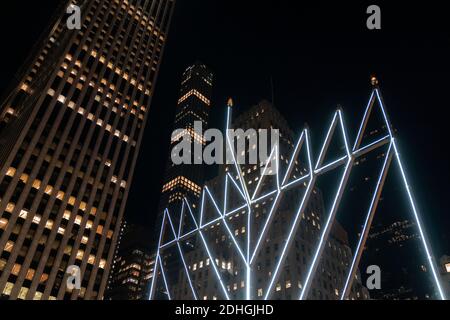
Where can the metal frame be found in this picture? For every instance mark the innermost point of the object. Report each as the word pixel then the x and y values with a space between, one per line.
pixel 347 161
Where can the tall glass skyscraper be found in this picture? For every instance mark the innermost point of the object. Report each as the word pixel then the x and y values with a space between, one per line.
pixel 71 129
pixel 194 105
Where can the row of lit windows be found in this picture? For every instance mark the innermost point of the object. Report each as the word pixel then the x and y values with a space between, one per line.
pixel 178 196
pixel 180 180
pixel 104 82
pixel 91 117
pixel 225 265
pixel 137 17
pixel 23 292
pixel 37 184
pixel 199 138
pixel 49 223
pixel 110 66
pixel 196 93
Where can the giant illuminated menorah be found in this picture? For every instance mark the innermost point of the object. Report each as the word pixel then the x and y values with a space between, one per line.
pixel 247 255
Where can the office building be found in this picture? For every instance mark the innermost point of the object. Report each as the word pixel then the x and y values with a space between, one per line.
pixel 133 264
pixel 194 105
pixel 71 130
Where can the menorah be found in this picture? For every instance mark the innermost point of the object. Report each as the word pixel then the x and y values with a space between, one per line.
pixel 314 170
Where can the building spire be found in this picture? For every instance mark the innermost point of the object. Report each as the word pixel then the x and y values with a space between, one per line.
pixel 230 102
pixel 374 81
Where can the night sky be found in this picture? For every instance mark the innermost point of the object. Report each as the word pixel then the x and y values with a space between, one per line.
pixel 318 55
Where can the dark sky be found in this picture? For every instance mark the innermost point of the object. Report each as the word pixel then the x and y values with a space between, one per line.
pixel 319 55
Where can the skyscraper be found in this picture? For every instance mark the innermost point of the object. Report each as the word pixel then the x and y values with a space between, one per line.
pixel 133 265
pixel 186 180
pixel 70 134
pixel 194 105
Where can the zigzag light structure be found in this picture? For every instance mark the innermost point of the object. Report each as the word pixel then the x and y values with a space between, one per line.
pixel 248 255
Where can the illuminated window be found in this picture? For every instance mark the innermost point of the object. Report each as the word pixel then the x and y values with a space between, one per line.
pixel 9 245
pixel 72 200
pixel 30 274
pixel 11 172
pixel 23 293
pixel 78 220
pixel 44 278
pixel 3 223
pixel 36 184
pixel 68 250
pixel 16 269
pixel 8 288
pixel 260 292
pixel 60 195
pixel 37 296
pixel 23 214
pixel 80 254
pixel 91 259
pixel 447 267
pixel 48 189
pixel 10 207
pixel 278 288
pixel 288 284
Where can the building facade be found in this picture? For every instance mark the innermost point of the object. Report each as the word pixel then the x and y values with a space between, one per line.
pixel 194 105
pixel 327 285
pixel 186 180
pixel 394 243
pixel 71 129
pixel 445 273
pixel 397 249
pixel 132 268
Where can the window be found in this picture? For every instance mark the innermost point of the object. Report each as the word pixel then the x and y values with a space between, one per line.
pixel 447 267
pixel 23 293
pixel 3 223
pixel 278 288
pixel 8 288
pixel 9 245
pixel 260 292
